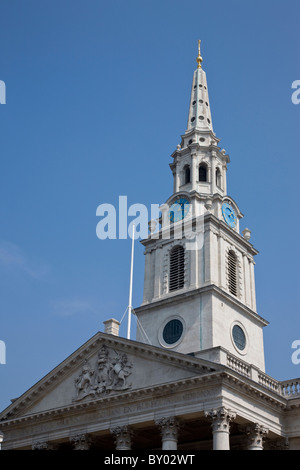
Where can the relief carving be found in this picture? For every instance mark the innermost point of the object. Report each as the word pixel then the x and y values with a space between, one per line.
pixel 111 372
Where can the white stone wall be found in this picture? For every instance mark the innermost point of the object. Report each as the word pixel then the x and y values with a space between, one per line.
pixel 187 311
pixel 208 319
pixel 224 316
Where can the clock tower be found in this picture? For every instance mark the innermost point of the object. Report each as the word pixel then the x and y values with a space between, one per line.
pixel 199 286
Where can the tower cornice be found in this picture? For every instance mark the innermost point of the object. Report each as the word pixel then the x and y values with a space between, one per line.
pixel 187 293
pixel 211 221
pixel 197 147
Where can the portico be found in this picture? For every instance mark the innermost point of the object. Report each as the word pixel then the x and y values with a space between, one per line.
pixel 201 405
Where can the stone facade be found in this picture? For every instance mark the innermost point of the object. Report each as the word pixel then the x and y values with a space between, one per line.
pixel 205 387
pixel 165 400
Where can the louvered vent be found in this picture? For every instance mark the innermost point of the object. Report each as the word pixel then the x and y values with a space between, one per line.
pixel 176 268
pixel 232 273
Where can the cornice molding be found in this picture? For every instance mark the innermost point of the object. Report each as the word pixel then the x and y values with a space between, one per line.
pixel 91 347
pixel 224 377
pixel 175 298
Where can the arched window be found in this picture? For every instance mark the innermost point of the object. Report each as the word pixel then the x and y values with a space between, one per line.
pixel 203 172
pixel 187 174
pixel 232 273
pixel 176 280
pixel 218 177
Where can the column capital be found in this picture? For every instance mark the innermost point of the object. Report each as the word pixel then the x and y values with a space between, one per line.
pixel 81 441
pixel 122 436
pixel 255 435
pixel 41 445
pixel 282 443
pixel 221 418
pixel 168 426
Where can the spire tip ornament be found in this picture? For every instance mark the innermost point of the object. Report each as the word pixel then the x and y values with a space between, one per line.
pixel 199 58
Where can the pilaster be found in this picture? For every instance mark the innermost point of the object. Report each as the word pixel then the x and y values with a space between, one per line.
pixel 194 170
pixel 158 272
pixel 252 285
pixel 213 172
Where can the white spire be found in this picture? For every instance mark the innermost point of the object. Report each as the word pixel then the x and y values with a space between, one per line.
pixel 199 111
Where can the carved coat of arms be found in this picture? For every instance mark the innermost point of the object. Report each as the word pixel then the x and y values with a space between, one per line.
pixel 111 372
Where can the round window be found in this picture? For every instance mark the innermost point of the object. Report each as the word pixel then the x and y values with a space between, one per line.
pixel 239 337
pixel 172 331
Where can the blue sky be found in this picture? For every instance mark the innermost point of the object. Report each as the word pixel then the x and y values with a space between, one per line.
pixel 97 99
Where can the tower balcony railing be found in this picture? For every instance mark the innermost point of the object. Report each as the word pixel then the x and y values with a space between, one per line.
pixel 288 389
pixel 238 365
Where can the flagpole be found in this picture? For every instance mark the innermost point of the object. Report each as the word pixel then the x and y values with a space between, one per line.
pixel 130 286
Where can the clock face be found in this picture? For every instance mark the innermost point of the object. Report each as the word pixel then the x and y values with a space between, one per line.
pixel 179 209
pixel 229 215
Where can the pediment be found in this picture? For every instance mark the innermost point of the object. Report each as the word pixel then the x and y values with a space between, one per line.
pixel 105 365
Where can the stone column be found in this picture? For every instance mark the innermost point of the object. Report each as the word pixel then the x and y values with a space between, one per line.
pixel 255 434
pixel 80 441
pixel 41 445
pixel 246 279
pixel 122 436
pixel 177 178
pixel 278 444
pixel 194 171
pixel 207 256
pixel 148 281
pixel 174 180
pixel 224 187
pixel 1 438
pixel 158 281
pixel 222 266
pixel 252 284
pixel 213 173
pixel 169 432
pixel 221 419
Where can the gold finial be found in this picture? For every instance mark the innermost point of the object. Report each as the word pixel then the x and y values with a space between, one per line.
pixel 199 58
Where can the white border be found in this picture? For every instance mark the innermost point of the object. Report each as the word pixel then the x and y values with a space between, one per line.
pixel 161 329
pixel 245 350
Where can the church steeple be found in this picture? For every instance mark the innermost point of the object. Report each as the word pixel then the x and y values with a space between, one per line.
pixel 199 110
pixel 200 296
pixel 199 164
